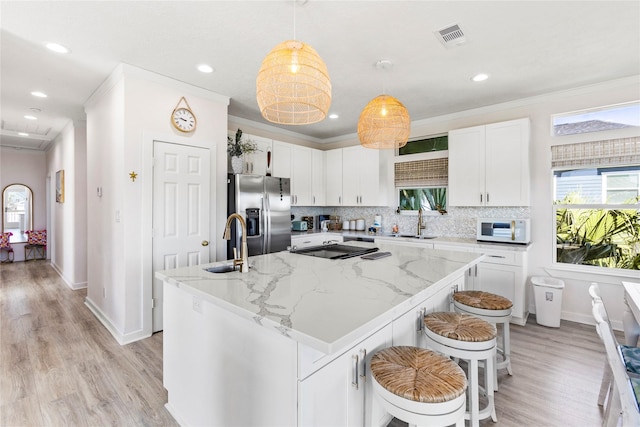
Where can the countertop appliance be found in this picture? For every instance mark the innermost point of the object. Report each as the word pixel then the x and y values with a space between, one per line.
pixel 299 225
pixel 334 251
pixel 504 230
pixel 265 204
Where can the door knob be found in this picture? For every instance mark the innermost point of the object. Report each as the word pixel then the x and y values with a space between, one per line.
pixel 205 243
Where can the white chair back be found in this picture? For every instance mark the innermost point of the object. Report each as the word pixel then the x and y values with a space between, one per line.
pixel 624 400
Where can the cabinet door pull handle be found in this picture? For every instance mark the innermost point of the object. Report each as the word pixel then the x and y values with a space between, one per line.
pixel 487 197
pixel 423 312
pixel 480 197
pixel 496 256
pixel 354 373
pixel 363 375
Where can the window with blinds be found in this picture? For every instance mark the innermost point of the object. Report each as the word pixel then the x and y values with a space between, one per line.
pixel 597 203
pixel 422 184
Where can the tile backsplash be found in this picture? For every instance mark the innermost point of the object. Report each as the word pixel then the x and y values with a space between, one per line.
pixel 457 222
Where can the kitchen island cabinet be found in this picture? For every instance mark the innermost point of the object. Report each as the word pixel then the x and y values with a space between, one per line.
pixel 280 345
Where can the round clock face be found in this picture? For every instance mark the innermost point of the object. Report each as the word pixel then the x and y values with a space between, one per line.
pixel 183 120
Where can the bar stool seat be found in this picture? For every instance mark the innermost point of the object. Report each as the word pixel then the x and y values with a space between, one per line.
pixel 472 339
pixel 419 386
pixel 494 309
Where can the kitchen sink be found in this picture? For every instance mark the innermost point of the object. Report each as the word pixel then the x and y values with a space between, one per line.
pixel 412 236
pixel 227 268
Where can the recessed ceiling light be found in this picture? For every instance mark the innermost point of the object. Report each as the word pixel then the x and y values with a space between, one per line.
pixel 30 117
pixel 205 68
pixel 23 134
pixel 39 94
pixel 333 116
pixel 480 77
pixel 57 48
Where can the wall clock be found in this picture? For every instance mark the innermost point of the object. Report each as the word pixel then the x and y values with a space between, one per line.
pixel 182 118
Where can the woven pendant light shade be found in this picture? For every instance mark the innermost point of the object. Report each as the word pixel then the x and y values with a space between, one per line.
pixel 293 85
pixel 384 123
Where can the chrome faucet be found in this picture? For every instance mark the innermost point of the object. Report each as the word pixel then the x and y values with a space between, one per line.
pixel 421 226
pixel 243 260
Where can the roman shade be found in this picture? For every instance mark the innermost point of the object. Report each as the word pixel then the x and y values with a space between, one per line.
pixel 422 173
pixel 610 152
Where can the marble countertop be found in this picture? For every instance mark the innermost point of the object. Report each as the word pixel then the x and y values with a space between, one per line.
pixel 325 304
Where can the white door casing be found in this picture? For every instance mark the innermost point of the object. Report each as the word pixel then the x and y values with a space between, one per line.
pixel 181 191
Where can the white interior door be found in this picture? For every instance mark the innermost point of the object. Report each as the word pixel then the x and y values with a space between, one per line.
pixel 180 212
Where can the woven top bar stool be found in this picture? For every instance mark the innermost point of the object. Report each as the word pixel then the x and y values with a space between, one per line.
pixel 472 339
pixel 419 386
pixel 494 309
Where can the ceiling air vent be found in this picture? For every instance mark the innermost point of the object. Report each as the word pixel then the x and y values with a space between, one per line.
pixel 451 36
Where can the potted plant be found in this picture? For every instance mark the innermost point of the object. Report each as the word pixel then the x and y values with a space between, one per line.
pixel 238 147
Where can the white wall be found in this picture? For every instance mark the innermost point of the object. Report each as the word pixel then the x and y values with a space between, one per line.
pixel 124 116
pixel 68 227
pixel 29 168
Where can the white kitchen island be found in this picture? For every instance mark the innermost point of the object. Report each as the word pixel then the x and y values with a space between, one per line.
pixel 288 343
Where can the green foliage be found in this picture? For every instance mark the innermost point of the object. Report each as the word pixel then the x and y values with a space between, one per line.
pixel 412 199
pixel 599 237
pixel 237 147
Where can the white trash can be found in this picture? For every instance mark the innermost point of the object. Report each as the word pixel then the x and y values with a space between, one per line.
pixel 547 292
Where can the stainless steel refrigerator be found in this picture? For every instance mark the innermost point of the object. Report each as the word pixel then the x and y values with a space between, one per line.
pixel 265 204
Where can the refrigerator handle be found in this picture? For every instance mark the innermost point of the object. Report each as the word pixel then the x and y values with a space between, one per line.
pixel 266 220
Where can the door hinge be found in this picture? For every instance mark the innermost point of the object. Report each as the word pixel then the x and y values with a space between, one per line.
pixel 153 303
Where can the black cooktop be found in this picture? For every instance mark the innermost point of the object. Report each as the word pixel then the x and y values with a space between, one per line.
pixel 334 251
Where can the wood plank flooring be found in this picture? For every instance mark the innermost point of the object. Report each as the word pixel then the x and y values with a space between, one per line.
pixel 60 367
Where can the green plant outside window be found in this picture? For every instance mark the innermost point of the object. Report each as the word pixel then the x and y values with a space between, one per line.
pixel 598 217
pixel 429 199
pixel 427 145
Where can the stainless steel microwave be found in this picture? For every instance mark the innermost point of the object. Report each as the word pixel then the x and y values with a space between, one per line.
pixel 504 230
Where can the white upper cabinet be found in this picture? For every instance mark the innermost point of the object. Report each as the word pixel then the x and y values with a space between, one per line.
pixel 300 176
pixel 318 191
pixel 305 167
pixel 256 162
pixel 360 176
pixel 333 177
pixel 281 158
pixel 489 165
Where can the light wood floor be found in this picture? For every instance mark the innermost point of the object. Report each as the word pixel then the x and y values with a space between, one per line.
pixel 59 366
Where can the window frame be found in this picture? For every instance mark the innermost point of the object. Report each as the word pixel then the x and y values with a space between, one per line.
pixel 18 237
pixel 584 268
pixel 428 155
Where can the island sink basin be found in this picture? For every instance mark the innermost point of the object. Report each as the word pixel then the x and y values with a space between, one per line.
pixel 227 268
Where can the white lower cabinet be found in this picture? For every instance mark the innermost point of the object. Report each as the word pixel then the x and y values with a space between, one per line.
pixel 340 393
pixel 505 274
pixel 501 272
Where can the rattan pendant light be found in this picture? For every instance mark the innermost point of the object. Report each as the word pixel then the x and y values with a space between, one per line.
pixel 384 122
pixel 293 85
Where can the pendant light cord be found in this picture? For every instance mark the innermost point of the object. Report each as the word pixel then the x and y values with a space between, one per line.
pixel 294 19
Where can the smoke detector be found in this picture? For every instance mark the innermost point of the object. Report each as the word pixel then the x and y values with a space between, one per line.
pixel 451 36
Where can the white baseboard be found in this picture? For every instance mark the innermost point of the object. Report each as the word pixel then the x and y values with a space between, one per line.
pixel 122 339
pixel 174 414
pixel 74 286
